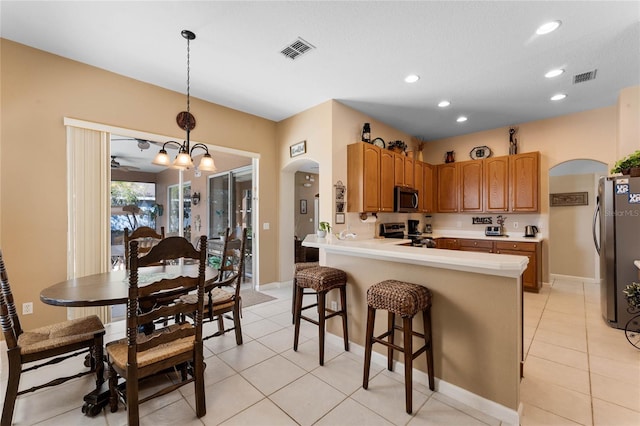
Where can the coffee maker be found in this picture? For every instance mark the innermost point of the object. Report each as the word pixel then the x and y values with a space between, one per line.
pixel 414 227
pixel 427 225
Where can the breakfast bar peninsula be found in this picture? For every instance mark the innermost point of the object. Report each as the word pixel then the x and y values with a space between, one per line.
pixel 476 313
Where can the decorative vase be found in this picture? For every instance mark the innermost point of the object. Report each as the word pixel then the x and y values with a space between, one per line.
pixel 634 171
pixel 419 156
pixel 321 234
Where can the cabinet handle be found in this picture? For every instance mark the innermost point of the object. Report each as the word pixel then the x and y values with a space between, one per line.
pixel 475 243
pixel 515 246
pixel 497 251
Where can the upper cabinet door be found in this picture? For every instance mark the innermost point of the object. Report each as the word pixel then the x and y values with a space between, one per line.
pixel 470 181
pixel 387 180
pixel 363 178
pixel 408 172
pixel 428 172
pixel 496 184
pixel 418 179
pixel 524 179
pixel 398 168
pixel 447 188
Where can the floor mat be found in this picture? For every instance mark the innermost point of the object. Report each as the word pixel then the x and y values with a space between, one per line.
pixel 251 297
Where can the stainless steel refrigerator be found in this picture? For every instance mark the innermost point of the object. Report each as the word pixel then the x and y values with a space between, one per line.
pixel 616 234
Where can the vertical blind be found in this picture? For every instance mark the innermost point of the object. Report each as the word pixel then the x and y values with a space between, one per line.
pixel 88 200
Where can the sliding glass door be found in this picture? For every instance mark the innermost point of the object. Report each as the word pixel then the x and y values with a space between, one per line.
pixel 230 206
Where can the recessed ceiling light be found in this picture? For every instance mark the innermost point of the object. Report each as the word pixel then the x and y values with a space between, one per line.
pixel 411 78
pixel 461 119
pixel 548 27
pixel 558 97
pixel 554 73
pixel 444 104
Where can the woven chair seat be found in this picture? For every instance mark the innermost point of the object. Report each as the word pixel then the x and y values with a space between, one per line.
pixel 300 266
pixel 321 278
pixel 59 335
pixel 118 349
pixel 219 298
pixel 399 297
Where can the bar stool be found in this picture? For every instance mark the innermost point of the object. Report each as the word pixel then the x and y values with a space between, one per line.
pixel 298 266
pixel 404 299
pixel 321 279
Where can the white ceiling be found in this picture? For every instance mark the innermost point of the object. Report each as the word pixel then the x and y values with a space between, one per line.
pixel 482 56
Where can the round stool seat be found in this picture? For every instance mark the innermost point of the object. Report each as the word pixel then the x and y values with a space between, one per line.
pixel 321 278
pixel 399 297
pixel 304 265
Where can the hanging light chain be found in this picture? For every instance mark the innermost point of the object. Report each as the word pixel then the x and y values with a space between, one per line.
pixel 188 80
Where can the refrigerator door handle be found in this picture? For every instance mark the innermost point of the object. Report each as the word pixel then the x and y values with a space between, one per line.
pixel 596 213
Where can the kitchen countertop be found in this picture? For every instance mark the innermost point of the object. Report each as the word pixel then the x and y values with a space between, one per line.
pixel 510 236
pixel 390 249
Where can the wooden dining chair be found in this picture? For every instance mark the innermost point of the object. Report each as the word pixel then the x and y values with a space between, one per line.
pixel 224 297
pixel 46 345
pixel 147 237
pixel 177 346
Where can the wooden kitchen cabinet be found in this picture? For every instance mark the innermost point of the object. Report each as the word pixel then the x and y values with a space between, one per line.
pixel 496 184
pixel 387 180
pixel 418 179
pixel 532 276
pixel 426 198
pixel 447 243
pixel 447 193
pixel 363 177
pixel 511 183
pixel 398 166
pixel 524 182
pixel 408 172
pixel 484 246
pixel 470 187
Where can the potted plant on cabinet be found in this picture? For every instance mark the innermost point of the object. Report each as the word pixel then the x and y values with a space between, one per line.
pixel 629 165
pixel 323 229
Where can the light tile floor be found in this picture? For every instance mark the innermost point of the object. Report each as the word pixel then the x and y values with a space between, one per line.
pixel 577 371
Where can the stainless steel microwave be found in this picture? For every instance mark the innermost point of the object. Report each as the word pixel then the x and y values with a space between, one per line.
pixel 405 200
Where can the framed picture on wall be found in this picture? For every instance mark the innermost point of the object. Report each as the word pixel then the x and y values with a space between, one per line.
pixel 303 206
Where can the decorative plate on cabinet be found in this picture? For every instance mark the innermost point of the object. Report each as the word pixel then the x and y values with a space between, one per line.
pixel 379 142
pixel 479 152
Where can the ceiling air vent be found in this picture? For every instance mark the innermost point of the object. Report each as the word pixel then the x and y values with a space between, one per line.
pixel 585 76
pixel 297 48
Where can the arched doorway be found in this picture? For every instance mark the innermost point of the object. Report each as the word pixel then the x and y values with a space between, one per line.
pixel 298 195
pixel 572 255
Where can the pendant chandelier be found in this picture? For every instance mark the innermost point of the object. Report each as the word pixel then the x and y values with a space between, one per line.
pixel 187 122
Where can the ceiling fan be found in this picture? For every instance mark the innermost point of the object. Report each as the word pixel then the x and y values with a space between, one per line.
pixel 115 165
pixel 143 144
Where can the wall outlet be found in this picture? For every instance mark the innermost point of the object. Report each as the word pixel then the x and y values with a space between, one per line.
pixel 27 308
pixel 265 226
pixel 515 225
pixel 334 305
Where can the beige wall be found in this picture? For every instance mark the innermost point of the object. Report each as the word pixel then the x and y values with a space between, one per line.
pixel 40 89
pixel 314 127
pixel 628 121
pixel 572 253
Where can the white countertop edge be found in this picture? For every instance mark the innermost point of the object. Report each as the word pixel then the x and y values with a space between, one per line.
pixel 504 265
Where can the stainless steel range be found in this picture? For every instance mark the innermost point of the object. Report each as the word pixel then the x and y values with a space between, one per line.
pixel 398 230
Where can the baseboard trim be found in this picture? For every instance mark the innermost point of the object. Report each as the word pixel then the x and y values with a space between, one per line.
pixel 505 414
pixel 573 278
